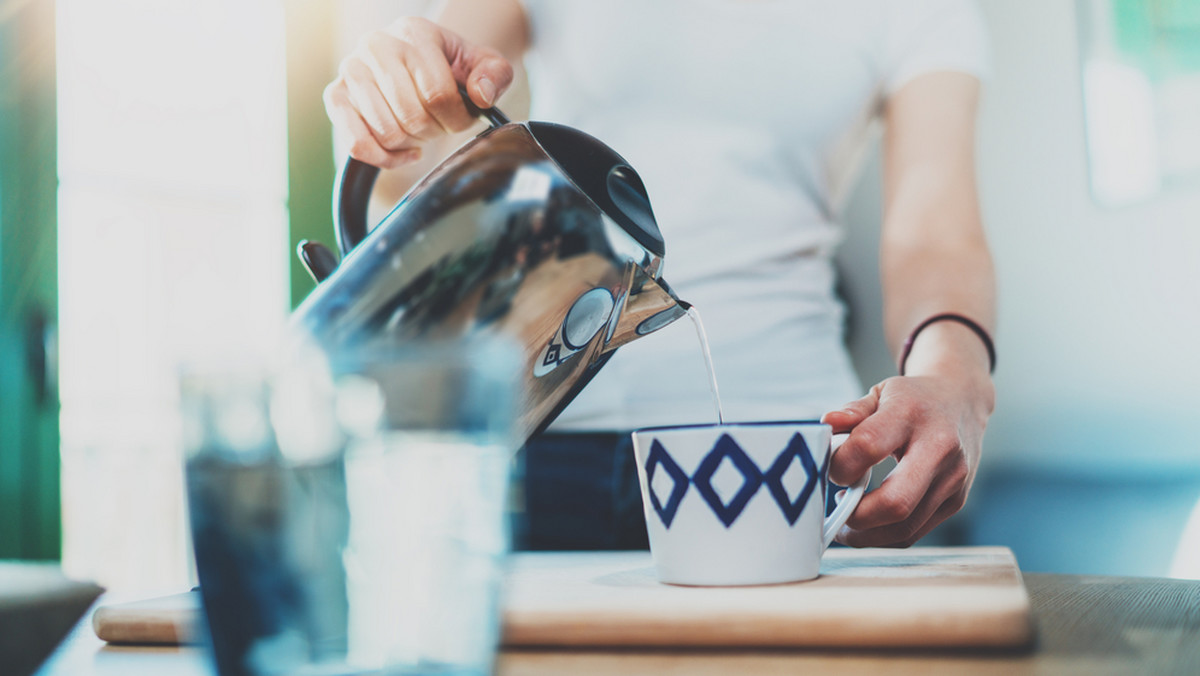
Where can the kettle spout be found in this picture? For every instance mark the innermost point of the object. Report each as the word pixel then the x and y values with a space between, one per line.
pixel 683 304
pixel 651 305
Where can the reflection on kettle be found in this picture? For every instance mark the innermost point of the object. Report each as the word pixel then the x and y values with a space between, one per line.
pixel 535 230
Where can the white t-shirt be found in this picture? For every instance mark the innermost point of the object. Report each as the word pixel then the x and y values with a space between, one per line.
pixel 746 120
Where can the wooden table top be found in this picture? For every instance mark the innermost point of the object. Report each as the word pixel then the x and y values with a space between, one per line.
pixel 1085 625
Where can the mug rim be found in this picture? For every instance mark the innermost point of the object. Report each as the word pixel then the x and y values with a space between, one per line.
pixel 759 423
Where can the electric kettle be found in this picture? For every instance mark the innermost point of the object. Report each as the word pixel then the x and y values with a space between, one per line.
pixel 536 231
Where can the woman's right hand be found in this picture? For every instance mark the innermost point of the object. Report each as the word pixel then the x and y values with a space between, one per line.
pixel 399 90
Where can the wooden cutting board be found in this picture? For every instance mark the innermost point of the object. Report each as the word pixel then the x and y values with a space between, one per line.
pixel 921 597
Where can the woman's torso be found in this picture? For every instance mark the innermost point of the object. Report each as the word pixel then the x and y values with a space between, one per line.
pixel 746 121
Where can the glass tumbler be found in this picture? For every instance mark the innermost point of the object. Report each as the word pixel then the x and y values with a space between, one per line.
pixel 348 511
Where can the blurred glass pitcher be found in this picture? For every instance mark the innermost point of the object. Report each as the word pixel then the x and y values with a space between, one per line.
pixel 533 230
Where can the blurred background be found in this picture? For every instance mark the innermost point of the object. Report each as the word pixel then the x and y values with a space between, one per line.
pixel 159 161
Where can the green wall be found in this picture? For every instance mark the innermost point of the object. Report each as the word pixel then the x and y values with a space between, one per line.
pixel 311 65
pixel 30 521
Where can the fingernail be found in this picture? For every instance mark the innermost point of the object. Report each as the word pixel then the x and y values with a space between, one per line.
pixel 487 90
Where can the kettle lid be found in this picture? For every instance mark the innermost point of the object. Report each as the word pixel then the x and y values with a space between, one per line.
pixel 605 177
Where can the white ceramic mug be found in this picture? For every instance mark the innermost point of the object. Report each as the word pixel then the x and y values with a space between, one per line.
pixel 739 503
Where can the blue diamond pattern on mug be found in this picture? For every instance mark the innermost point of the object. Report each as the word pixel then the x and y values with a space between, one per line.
pixel 657 458
pixel 726 449
pixel 796 452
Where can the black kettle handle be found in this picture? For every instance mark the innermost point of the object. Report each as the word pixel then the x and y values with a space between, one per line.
pixel 352 190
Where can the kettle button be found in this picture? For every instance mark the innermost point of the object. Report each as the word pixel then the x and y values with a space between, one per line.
pixel 586 317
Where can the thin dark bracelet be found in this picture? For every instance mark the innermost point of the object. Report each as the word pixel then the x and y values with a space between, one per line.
pixel 951 317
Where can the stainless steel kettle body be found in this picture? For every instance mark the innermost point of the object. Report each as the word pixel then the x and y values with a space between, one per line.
pixel 535 230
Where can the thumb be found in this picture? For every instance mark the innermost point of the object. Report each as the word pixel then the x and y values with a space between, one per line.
pixel 853 413
pixel 484 71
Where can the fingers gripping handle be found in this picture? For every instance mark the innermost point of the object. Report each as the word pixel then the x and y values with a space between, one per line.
pixel 492 115
pixel 845 506
pixel 352 190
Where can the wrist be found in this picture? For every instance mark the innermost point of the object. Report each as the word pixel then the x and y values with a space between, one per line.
pixel 936 325
pixel 953 351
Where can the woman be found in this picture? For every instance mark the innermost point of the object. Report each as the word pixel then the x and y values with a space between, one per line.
pixel 745 120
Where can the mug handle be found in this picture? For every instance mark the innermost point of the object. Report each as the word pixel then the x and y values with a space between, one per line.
pixel 845 506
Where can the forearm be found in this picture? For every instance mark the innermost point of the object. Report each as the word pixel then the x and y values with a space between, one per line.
pixel 934 256
pixel 921 281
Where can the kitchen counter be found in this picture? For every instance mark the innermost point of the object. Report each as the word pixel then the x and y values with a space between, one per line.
pixel 1085 625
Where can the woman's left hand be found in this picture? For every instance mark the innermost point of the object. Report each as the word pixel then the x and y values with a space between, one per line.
pixel 933 425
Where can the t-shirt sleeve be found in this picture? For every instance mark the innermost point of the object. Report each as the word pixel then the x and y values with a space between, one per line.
pixel 924 36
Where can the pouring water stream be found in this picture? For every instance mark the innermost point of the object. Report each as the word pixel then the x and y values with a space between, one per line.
pixel 694 315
